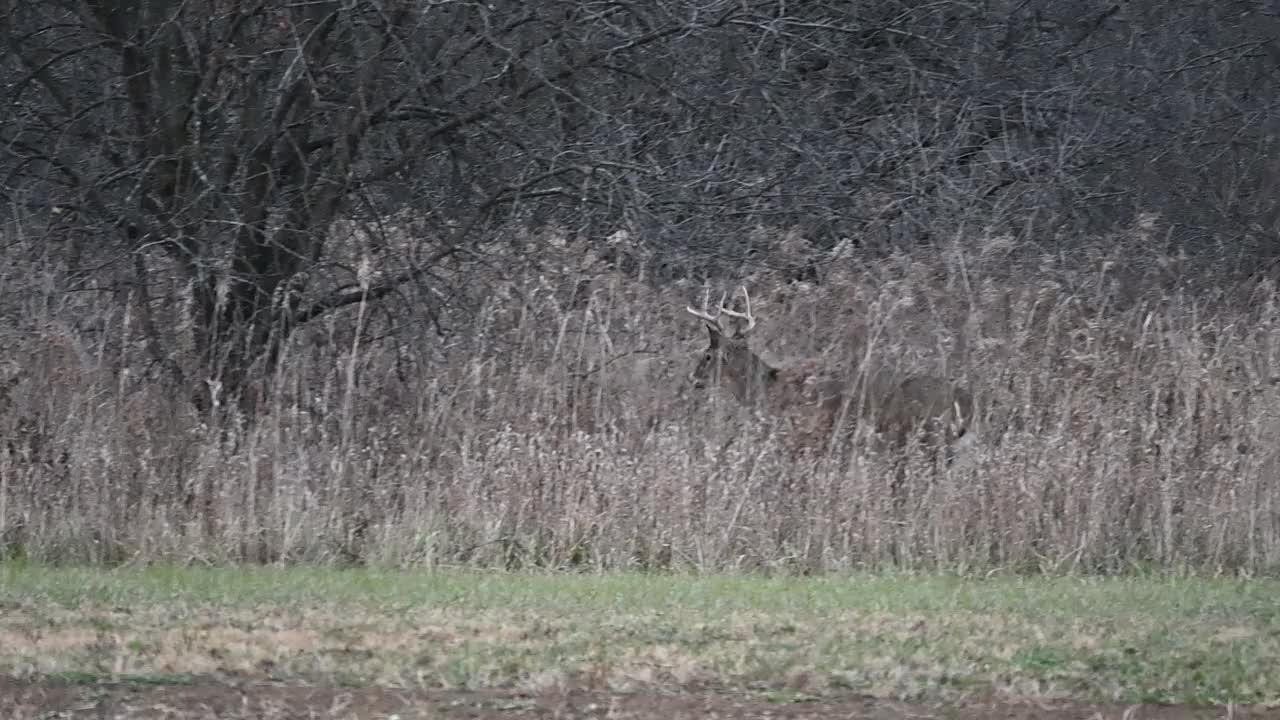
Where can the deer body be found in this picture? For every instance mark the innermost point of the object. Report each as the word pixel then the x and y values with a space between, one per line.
pixel 897 408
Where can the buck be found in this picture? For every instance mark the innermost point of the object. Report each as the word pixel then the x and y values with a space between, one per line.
pixel 824 412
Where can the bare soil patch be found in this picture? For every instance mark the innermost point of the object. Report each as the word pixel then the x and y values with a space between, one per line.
pixel 231 700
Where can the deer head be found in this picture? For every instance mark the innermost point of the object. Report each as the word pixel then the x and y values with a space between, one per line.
pixel 728 358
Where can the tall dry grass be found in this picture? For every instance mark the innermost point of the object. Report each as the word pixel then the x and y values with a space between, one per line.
pixel 1128 421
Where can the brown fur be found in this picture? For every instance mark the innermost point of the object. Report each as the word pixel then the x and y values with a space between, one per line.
pixel 824 414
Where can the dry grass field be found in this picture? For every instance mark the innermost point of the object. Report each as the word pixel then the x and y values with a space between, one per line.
pixel 280 643
pixel 1126 416
pixel 229 701
pixel 541 426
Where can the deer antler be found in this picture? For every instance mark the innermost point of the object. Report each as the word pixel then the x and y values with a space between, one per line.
pixel 722 309
pixel 704 314
pixel 751 320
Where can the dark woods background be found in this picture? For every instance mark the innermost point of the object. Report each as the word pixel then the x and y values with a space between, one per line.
pixel 327 262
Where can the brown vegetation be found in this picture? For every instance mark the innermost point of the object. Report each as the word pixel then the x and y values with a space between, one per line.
pixel 1125 418
pixel 274 701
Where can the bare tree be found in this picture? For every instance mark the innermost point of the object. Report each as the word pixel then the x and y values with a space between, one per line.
pixel 201 156
pixel 223 142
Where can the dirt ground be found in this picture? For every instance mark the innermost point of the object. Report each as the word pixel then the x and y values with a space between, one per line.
pixel 227 700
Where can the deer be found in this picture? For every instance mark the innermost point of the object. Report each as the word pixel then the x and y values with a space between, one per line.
pixel 828 413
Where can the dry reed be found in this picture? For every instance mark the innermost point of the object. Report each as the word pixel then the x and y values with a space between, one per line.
pixel 1126 422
